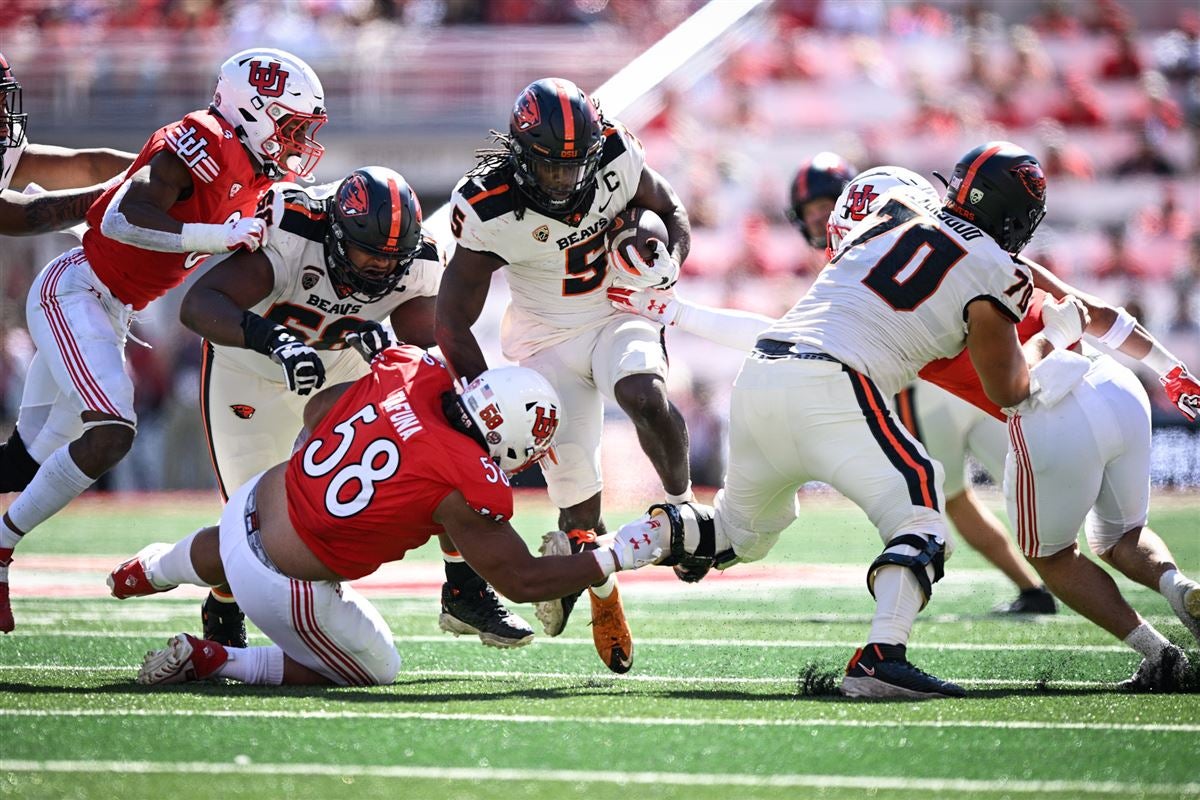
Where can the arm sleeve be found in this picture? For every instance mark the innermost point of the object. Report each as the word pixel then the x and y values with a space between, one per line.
pixel 736 329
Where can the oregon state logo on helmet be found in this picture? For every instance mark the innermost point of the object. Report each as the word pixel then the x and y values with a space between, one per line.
pixel 352 199
pixel 526 114
pixel 1031 177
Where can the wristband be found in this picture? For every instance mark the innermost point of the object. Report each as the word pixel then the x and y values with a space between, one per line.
pixel 260 334
pixel 607 560
pixel 201 237
pixel 1116 335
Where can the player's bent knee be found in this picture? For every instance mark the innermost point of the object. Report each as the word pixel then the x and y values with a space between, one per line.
pixel 385 672
pixel 641 396
pixel 922 553
pixel 17 467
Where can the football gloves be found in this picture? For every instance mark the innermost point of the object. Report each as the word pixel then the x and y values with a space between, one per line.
pixel 654 304
pixel 302 366
pixel 1183 390
pixel 369 340
pixel 1064 321
pixel 660 271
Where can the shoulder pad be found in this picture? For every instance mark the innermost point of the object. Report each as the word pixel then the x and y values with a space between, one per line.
pixel 429 250
pixel 490 195
pixel 303 215
pixel 614 145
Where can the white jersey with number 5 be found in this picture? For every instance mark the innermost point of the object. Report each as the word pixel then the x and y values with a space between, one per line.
pixel 306 300
pixel 557 267
pixel 894 297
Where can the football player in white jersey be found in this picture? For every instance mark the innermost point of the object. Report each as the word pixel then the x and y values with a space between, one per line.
pixel 539 206
pixel 916 282
pixel 340 258
pixel 68 181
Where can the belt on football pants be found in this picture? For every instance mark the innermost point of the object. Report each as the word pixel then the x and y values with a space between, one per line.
pixel 253 534
pixel 773 348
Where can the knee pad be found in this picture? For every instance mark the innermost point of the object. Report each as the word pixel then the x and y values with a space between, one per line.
pixel 931 553
pixel 696 545
pixel 17 467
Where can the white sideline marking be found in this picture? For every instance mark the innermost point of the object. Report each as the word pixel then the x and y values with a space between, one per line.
pixel 543 719
pixel 802 644
pixel 595 677
pixel 957 786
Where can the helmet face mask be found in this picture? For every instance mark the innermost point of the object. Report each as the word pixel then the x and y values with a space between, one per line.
pixel 13 120
pixel 515 411
pixel 276 104
pixel 555 144
pixel 374 233
pixel 1001 189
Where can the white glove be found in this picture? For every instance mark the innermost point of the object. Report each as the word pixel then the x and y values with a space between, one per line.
pixel 1064 321
pixel 655 304
pixel 660 271
pixel 646 540
pixel 247 232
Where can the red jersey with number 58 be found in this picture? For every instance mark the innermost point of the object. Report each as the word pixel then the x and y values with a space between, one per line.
pixel 364 488
pixel 225 186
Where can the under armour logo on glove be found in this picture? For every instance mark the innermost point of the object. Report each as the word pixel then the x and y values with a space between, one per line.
pixel 655 304
pixel 369 340
pixel 1183 390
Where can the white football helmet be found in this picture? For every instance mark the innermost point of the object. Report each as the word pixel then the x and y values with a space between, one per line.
pixel 858 200
pixel 515 409
pixel 276 103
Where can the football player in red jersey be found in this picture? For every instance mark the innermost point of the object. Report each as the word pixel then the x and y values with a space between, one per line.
pixel 393 459
pixel 68 181
pixel 192 191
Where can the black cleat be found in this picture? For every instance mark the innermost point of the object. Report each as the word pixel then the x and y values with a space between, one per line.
pixel 1165 675
pixel 1030 601
pixel 224 623
pixel 553 614
pixel 477 611
pixel 883 670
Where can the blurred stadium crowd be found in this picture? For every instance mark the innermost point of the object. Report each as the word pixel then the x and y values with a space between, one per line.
pixel 1106 93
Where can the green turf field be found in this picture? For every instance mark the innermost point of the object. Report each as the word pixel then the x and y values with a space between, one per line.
pixel 717 705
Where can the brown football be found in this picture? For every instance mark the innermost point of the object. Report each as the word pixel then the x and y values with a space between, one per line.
pixel 634 228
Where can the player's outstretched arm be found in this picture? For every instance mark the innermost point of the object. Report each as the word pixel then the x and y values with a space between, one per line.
pixel 996 354
pixel 43 212
pixel 1115 329
pixel 460 301
pixel 213 307
pixel 727 326
pixel 137 214
pixel 413 322
pixel 655 193
pixel 55 168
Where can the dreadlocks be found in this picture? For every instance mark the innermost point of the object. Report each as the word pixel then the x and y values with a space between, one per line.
pixel 498 159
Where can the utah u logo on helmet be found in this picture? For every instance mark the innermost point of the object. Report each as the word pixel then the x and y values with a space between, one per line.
pixel 545 424
pixel 268 78
pixel 859 204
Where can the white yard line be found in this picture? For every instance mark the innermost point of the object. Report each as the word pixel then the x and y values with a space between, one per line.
pixel 958 786
pixel 800 644
pixel 549 719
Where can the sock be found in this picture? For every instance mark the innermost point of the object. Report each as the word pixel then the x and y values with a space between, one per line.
pixel 222 597
pixel 257 665
pixel 1171 584
pixel 9 538
pixel 459 573
pixel 1147 641
pixel 174 565
pixel 898 600
pixel 686 496
pixel 57 483
pixel 605 587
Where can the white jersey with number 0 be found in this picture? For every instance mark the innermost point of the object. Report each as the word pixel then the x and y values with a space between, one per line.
pixel 895 295
pixel 557 268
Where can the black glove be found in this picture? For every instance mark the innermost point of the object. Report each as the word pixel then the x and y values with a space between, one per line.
pixel 302 366
pixel 369 340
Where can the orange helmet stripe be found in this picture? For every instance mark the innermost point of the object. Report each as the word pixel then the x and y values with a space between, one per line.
pixel 397 215
pixel 970 176
pixel 568 117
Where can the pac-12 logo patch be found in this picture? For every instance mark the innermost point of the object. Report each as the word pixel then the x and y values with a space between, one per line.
pixel 242 411
pixel 542 234
pixel 310 277
pixel 267 77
